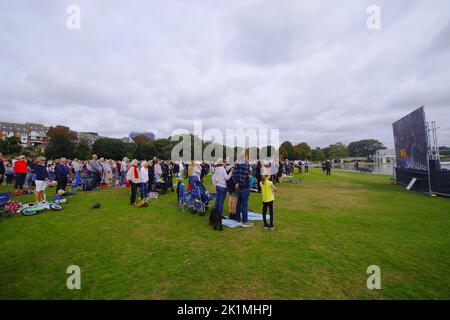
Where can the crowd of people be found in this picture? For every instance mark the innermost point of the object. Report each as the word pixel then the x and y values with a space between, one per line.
pixel 237 179
pixel 32 173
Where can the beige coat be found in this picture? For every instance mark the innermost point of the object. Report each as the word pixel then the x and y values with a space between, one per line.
pixel 131 177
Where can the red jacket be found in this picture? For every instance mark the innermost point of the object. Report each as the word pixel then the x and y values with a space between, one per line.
pixel 20 166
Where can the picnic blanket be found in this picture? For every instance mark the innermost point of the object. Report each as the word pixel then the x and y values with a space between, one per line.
pixel 252 216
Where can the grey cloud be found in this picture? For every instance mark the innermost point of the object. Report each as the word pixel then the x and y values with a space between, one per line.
pixel 311 69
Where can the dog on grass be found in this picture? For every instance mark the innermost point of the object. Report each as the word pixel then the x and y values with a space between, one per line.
pixel 215 219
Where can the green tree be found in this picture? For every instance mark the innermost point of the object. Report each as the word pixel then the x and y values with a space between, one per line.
pixel 318 154
pixel 338 151
pixel 145 150
pixel 302 151
pixel 364 148
pixel 110 148
pixel 163 148
pixel 83 150
pixel 10 146
pixel 286 150
pixel 61 142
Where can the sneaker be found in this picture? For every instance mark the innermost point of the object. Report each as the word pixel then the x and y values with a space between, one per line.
pixel 266 226
pixel 272 227
pixel 247 225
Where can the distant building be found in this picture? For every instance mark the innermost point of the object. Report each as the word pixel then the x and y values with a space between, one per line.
pixel 147 134
pixel 31 135
pixel 90 137
pixel 384 156
pixel 127 139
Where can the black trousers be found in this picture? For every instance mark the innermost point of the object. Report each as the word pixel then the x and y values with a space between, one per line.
pixel 270 206
pixel 9 178
pixel 133 187
pixel 96 178
pixel 258 179
pixel 328 172
pixel 170 181
pixel 20 179
pixel 61 184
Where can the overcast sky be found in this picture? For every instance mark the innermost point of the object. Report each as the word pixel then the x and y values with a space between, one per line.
pixel 309 68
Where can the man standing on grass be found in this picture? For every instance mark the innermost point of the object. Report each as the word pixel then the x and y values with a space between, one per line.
pixel 95 167
pixel 241 176
pixel 62 174
pixel 328 167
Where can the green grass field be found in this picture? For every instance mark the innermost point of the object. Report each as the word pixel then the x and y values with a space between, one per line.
pixel 328 231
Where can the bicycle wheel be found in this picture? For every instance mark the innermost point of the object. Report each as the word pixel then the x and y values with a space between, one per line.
pixel 29 212
pixel 55 206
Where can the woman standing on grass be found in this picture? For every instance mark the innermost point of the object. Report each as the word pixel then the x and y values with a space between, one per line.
pixel 20 169
pixel 157 169
pixel 41 178
pixel 134 180
pixel 232 200
pixel 143 175
pixel 9 172
pixel 267 190
pixel 219 180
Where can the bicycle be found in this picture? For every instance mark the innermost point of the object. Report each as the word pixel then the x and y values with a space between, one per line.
pixel 33 208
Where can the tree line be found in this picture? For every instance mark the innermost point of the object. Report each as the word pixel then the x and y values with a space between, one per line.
pixel 302 151
pixel 64 142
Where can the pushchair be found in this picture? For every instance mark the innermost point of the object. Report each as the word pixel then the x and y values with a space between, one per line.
pixel 197 199
pixel 83 183
pixel 159 187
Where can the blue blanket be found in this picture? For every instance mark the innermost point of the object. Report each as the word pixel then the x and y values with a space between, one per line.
pixel 252 216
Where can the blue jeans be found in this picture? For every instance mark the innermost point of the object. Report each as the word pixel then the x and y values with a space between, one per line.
pixel 220 199
pixel 123 177
pixel 144 190
pixel 242 205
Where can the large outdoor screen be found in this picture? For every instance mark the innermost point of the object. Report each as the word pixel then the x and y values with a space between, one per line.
pixel 410 139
